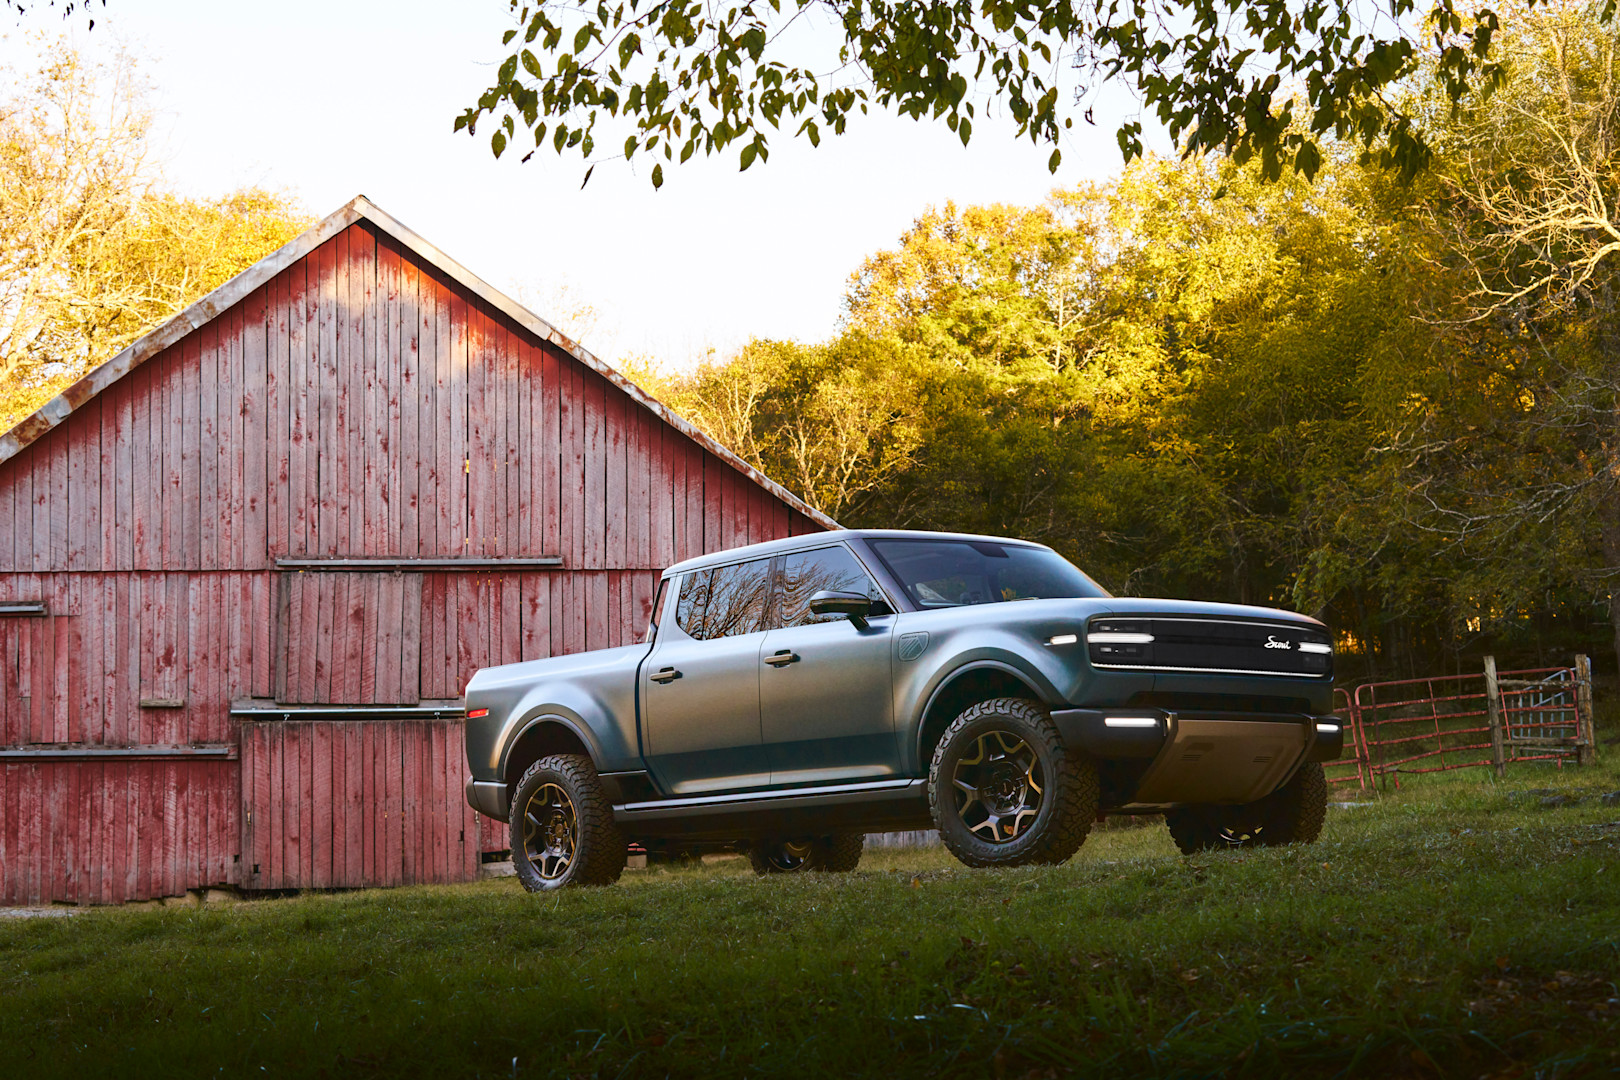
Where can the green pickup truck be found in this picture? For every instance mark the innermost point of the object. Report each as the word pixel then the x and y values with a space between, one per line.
pixel 792 696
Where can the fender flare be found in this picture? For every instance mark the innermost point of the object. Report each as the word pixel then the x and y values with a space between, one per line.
pixel 1030 681
pixel 551 713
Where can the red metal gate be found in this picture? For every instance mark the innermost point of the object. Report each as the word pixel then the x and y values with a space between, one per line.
pixel 1447 722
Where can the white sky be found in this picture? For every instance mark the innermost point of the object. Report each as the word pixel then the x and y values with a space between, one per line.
pixel 336 98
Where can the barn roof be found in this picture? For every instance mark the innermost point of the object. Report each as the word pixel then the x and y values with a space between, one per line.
pixel 216 303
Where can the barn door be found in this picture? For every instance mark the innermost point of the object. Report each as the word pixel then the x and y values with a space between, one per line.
pixel 349 639
pixel 27 669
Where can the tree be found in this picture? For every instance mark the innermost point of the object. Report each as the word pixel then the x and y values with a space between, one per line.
pixel 1515 441
pixel 93 252
pixel 1264 79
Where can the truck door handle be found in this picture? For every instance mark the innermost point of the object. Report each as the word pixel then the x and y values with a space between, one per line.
pixel 668 674
pixel 782 658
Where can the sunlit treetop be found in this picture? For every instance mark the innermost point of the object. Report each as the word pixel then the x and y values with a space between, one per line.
pixel 1257 79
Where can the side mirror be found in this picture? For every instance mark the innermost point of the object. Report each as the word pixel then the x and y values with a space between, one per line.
pixel 856 605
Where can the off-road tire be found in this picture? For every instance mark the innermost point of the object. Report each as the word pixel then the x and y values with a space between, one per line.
pixel 599 848
pixel 836 854
pixel 1293 814
pixel 1067 805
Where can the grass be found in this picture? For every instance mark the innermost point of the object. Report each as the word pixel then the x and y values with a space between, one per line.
pixel 1458 928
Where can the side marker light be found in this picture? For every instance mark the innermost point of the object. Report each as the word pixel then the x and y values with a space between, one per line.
pixel 1063 639
pixel 476 713
pixel 1328 729
pixel 1130 721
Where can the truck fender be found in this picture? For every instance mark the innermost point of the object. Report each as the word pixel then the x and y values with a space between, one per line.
pixel 1038 688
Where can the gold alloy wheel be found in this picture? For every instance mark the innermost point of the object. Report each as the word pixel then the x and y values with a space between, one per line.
pixel 999 787
pixel 550 832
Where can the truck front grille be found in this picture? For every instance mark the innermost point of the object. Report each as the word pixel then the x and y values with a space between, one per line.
pixel 1193 644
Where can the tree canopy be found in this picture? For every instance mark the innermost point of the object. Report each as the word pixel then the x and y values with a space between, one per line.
pixel 1261 79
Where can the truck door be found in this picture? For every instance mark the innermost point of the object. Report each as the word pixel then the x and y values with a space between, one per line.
pixel 826 691
pixel 700 684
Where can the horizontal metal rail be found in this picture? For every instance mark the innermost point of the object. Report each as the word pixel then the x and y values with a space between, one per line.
pixel 472 566
pixel 124 753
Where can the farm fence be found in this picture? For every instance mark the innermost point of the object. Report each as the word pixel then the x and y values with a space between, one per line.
pixel 1447 722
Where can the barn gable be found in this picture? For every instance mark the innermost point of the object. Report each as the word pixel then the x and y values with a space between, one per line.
pixel 251 560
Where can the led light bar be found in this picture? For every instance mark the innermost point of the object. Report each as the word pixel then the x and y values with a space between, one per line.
pixel 1328 729
pixel 1109 637
pixel 1130 721
pixel 1315 647
pixel 1063 639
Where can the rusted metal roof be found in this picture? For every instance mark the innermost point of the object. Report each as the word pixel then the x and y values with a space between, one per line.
pixel 360 208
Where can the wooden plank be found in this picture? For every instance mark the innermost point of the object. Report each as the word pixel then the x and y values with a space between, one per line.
pixel 303 397
pixel 382 335
pixel 596 469
pixel 411 640
pixel 616 430
pixel 254 428
pixel 409 782
pixel 572 465
pixel 422 475
pixel 355 806
pixel 329 429
pixel 460 423
pixel 548 413
pixel 53 556
pixel 449 480
pixel 345 461
pixel 480 465
pixel 402 411
pixel 78 503
pixel 394 763
pixel 277 411
pixel 368 503
pixel 383 644
pixel 337 798
pixel 206 386
pixel 185 432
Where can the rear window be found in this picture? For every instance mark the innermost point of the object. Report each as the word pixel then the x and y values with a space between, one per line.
pixel 954 573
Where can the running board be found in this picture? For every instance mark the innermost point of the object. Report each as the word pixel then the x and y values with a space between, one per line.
pixel 879 793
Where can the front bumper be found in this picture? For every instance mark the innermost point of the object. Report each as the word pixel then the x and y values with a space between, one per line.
pixel 489 798
pixel 1203 757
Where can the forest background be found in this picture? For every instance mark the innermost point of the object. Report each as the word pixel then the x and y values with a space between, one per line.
pixel 1392 404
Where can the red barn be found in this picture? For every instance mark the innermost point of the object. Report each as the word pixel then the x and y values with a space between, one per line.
pixel 247 565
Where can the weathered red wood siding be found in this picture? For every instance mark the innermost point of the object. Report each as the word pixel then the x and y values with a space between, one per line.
pixel 359 404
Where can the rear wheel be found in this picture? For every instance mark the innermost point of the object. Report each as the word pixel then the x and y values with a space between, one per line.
pixel 1005 791
pixel 1293 814
pixel 562 827
pixel 839 853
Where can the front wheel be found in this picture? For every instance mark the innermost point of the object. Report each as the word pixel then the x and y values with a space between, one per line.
pixel 563 831
pixel 1293 814
pixel 830 854
pixel 1005 791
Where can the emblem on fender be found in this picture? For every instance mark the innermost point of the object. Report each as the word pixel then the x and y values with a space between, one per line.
pixel 1273 643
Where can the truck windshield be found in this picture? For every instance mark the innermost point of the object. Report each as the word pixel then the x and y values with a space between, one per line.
pixel 951 573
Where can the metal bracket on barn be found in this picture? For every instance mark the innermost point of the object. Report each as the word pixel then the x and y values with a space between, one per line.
pixel 24 608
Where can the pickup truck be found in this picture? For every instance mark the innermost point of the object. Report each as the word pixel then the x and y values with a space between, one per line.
pixel 792 696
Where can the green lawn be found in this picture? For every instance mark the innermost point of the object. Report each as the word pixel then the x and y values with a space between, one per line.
pixel 1458 928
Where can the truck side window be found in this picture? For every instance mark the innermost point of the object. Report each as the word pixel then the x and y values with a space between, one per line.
pixel 805 573
pixel 694 599
pixel 724 601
